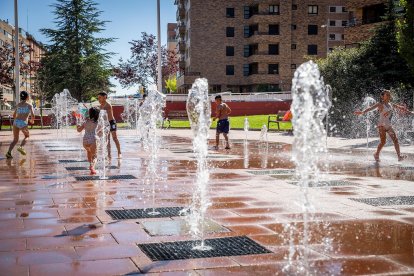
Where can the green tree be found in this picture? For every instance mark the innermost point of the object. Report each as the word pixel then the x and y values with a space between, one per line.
pixel 171 84
pixel 76 58
pixel 405 32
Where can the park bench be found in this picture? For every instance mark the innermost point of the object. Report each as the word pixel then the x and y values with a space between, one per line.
pixel 6 116
pixel 177 115
pixel 276 119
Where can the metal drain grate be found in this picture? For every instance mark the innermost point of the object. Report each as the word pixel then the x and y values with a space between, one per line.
pixel 110 177
pixel 331 183
pixel 164 212
pixel 72 161
pixel 85 168
pixel 221 247
pixel 64 150
pixel 385 201
pixel 269 172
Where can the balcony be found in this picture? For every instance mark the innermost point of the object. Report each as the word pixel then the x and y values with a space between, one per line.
pixel 187 78
pixel 181 46
pixel 179 2
pixel 261 57
pixel 260 37
pixel 181 63
pixel 181 28
pixel 180 13
pixel 262 77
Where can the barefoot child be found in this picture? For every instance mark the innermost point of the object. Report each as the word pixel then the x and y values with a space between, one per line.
pixel 223 125
pixel 385 108
pixel 20 116
pixel 89 140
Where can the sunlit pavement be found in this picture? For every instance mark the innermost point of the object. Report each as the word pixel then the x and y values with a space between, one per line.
pixel 51 224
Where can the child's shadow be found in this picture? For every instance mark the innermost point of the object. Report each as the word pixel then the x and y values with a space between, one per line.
pixel 82 229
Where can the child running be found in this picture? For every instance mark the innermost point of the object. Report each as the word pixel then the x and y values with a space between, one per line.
pixel 385 108
pixel 89 140
pixel 20 116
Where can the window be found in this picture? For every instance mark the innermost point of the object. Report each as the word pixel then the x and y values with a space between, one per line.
pixel 246 12
pixel 312 9
pixel 344 9
pixel 273 9
pixel 273 49
pixel 294 7
pixel 293 46
pixel 246 51
pixel 273 69
pixel 344 23
pixel 293 27
pixel 230 12
pixel 312 29
pixel 332 9
pixel 273 29
pixel 229 51
pixel 331 36
pixel 246 31
pixel 293 66
pixel 332 23
pixel 229 70
pixel 312 49
pixel 246 69
pixel 230 31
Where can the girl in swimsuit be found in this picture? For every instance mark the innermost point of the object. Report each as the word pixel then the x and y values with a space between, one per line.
pixel 385 108
pixel 20 116
pixel 89 140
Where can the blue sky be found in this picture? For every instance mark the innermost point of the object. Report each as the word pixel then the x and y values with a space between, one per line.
pixel 128 19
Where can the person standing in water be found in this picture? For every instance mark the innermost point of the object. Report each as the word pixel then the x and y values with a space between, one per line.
pixel 104 105
pixel 223 125
pixel 385 109
pixel 89 138
pixel 20 116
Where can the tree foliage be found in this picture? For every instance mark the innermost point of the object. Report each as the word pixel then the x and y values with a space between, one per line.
pixel 171 84
pixel 141 67
pixel 359 72
pixel 7 61
pixel 76 58
pixel 405 32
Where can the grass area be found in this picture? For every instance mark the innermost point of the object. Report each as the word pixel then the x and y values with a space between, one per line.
pixel 237 122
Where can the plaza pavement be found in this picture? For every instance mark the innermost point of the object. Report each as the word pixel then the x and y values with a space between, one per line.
pixel 51 224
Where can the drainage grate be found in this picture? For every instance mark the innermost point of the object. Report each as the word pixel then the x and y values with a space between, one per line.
pixel 385 201
pixel 269 172
pixel 110 177
pixel 64 150
pixel 331 183
pixel 86 168
pixel 72 161
pixel 164 212
pixel 221 247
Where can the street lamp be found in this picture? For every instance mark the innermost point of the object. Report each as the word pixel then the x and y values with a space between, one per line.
pixel 326 26
pixel 16 55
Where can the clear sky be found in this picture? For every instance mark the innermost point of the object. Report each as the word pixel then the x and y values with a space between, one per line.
pixel 128 19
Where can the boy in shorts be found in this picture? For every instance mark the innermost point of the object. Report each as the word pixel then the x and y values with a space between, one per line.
pixel 223 125
pixel 104 105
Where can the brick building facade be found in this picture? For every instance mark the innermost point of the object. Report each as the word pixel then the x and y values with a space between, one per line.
pixel 26 81
pixel 248 46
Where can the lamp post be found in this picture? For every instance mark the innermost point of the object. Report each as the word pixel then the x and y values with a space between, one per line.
pixel 16 54
pixel 326 26
pixel 159 76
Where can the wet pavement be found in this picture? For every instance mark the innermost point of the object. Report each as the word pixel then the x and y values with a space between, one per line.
pixel 53 224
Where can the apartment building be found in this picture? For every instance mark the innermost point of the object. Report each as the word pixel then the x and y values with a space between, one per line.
pixel 171 37
pixel 364 16
pixel 27 80
pixel 253 46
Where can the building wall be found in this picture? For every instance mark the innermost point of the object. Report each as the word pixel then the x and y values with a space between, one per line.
pixel 26 82
pixel 205 40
